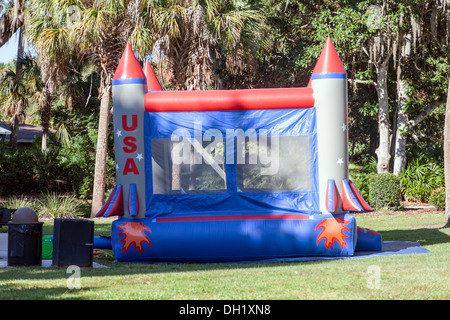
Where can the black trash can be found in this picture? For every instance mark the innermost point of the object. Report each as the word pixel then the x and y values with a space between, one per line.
pixel 5 215
pixel 25 239
pixel 73 242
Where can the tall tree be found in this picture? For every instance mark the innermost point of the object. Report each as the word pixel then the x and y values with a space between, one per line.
pixel 418 38
pixel 447 159
pixel 13 102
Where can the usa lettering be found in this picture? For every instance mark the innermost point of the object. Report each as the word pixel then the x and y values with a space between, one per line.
pixel 130 147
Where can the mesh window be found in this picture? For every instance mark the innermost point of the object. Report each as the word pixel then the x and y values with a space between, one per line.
pixel 273 164
pixel 188 166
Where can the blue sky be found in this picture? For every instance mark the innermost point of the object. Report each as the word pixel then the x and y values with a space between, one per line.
pixel 8 51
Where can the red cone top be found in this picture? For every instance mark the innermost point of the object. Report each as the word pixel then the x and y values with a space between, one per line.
pixel 152 81
pixel 128 67
pixel 329 61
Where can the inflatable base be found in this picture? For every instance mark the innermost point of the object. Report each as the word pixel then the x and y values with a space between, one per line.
pixel 233 237
pixel 368 240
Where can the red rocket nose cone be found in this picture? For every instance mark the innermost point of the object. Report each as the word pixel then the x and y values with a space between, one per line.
pixel 152 81
pixel 329 61
pixel 128 66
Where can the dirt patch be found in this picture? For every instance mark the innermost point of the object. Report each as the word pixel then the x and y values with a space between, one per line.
pixel 407 208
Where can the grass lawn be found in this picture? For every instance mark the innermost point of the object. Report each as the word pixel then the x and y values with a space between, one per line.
pixel 422 276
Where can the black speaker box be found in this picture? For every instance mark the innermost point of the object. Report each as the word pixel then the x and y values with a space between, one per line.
pixel 73 242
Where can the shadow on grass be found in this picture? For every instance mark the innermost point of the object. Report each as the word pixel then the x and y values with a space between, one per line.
pixel 425 236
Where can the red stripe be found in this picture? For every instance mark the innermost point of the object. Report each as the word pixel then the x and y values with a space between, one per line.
pixel 364 230
pixel 235 217
pixel 229 100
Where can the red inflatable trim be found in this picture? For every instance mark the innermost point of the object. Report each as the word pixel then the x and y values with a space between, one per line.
pixel 128 66
pixel 329 61
pixel 152 80
pixel 227 100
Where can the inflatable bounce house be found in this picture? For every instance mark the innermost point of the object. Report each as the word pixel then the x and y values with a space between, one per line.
pixel 233 175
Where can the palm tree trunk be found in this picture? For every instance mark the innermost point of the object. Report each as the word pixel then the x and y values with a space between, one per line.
pixel 14 128
pixel 98 196
pixel 20 54
pixel 44 110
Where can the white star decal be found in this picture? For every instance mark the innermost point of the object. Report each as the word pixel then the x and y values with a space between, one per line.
pixel 139 157
pixel 119 133
pixel 340 161
pixel 344 127
pixel 117 166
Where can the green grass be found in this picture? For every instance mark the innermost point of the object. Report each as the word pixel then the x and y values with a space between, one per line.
pixel 422 276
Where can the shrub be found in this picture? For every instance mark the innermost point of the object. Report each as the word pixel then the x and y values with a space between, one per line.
pixel 360 176
pixel 16 202
pixel 52 205
pixel 385 191
pixel 16 173
pixel 420 178
pixel 437 198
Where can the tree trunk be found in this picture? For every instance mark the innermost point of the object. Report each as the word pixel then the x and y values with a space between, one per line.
pixel 45 118
pixel 382 151
pixel 400 143
pixel 402 117
pixel 98 195
pixel 14 128
pixel 447 158
pixel 20 54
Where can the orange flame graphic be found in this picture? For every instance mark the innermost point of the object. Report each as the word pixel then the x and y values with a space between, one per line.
pixel 134 234
pixel 333 229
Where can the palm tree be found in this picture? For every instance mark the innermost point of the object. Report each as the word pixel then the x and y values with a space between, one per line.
pixel 194 36
pixel 40 94
pixel 13 102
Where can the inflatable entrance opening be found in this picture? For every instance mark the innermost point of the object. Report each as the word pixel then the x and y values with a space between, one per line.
pixel 232 175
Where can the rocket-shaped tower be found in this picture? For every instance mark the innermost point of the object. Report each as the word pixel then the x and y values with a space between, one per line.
pixel 329 82
pixel 129 86
pixel 152 82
